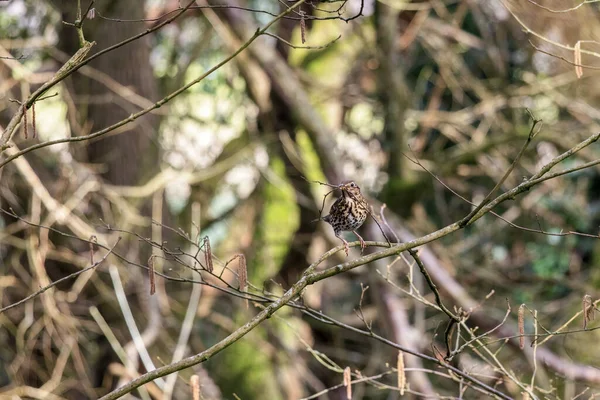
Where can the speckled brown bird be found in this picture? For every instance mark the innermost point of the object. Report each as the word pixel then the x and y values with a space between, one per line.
pixel 348 213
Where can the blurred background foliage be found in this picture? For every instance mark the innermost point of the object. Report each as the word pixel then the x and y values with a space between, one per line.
pixel 443 82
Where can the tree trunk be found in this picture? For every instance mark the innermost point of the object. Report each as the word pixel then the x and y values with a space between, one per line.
pixel 128 157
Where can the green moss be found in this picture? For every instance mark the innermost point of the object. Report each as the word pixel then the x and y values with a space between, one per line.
pixel 312 164
pixel 277 224
pixel 246 370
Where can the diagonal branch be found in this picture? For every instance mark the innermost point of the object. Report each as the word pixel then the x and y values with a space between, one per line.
pixel 311 276
pixel 487 198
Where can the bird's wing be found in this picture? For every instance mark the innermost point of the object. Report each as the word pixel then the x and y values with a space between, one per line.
pixel 333 208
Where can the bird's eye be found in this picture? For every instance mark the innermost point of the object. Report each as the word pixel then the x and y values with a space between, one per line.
pixel 352 184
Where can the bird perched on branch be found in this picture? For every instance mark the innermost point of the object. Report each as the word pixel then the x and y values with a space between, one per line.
pixel 348 213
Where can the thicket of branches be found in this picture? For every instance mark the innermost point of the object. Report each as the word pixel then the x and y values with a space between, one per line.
pixel 160 174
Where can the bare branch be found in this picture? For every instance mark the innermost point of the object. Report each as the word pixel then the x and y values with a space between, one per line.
pixel 56 282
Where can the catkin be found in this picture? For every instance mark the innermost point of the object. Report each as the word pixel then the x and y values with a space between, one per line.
pixel 151 274
pixel 401 372
pixel 195 384
pixel 348 383
pixel 208 254
pixel 522 326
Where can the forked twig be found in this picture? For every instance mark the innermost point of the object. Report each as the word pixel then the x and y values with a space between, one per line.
pixel 438 299
pixel 334 187
pixel 532 134
pixel 481 336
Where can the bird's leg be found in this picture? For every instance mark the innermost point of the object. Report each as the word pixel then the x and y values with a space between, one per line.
pixel 346 246
pixel 362 242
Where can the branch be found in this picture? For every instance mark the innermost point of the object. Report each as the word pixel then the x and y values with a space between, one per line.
pixel 545 39
pixel 433 287
pixel 487 198
pixel 156 105
pixel 56 282
pixel 453 318
pixel 563 10
pixel 327 319
pixel 76 62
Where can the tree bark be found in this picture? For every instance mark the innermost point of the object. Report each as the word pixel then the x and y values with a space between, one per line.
pixel 128 157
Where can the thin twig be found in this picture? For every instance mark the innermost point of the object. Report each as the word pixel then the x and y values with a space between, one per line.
pixel 58 281
pixel 73 64
pixel 311 276
pixel 432 286
pixel 482 336
pixel 438 299
pixel 294 46
pixel 370 334
pixel 487 198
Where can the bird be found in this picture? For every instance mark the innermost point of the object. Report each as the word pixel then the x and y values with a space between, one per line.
pixel 348 213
